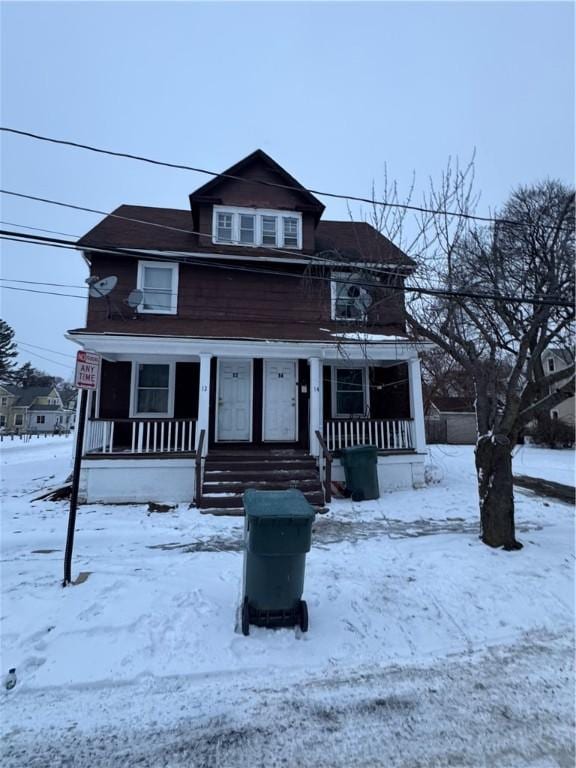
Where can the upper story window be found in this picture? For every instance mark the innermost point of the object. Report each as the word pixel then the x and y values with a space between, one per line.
pixel 257 227
pixel 4 401
pixel 350 298
pixel 551 365
pixel 158 282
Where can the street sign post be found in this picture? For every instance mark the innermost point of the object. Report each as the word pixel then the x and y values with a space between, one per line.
pixel 85 378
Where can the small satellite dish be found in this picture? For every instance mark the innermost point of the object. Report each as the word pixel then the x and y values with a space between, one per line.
pixel 102 287
pixel 135 298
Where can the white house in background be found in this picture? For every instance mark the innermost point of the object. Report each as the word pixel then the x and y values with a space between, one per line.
pixel 553 360
pixel 241 346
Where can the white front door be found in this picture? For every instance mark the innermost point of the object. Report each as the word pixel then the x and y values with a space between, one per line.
pixel 279 400
pixel 234 418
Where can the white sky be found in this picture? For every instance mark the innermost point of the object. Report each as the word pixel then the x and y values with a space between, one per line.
pixel 332 91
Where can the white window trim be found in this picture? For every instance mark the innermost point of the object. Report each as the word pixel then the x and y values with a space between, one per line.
pixel 258 213
pixel 366 386
pixel 551 365
pixel 134 414
pixel 174 289
pixel 337 279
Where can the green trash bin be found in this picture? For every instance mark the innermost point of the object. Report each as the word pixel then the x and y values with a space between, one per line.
pixel 278 534
pixel 361 470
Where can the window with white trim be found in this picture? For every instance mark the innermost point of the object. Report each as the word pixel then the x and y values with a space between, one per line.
pixel 40 419
pixel 152 390
pixel 18 420
pixel 351 300
pixel 158 282
pixel 554 415
pixel 350 395
pixel 551 365
pixel 2 420
pixel 257 227
pixel 4 401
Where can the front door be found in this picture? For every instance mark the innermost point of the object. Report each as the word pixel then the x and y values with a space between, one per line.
pixel 279 400
pixel 234 419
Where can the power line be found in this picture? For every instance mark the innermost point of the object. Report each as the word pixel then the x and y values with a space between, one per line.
pixel 68 366
pixel 38 229
pixel 269 249
pixel 46 349
pixel 263 182
pixel 41 282
pixel 185 259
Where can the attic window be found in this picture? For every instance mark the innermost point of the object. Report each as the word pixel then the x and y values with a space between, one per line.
pixel 257 227
pixel 550 365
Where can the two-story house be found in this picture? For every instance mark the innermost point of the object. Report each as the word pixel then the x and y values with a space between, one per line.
pixel 246 341
pixel 33 410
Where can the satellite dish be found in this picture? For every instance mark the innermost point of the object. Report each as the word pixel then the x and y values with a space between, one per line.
pixel 102 287
pixel 135 298
pixel 353 300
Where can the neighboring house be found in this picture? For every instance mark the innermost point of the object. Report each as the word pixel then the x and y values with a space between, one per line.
pixel 33 410
pixel 8 395
pixel 451 420
pixel 555 360
pixel 238 330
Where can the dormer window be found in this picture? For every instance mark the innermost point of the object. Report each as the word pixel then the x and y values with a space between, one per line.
pixel 257 227
pixel 224 227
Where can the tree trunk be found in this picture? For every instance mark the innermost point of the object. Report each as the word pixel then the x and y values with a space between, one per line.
pixel 495 486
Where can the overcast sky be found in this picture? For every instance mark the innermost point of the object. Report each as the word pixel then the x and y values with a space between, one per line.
pixel 332 91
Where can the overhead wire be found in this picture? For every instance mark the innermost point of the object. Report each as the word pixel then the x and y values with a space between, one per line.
pixel 262 182
pixel 187 259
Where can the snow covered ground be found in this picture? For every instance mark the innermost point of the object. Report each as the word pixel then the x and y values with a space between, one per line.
pixel 557 465
pixel 425 647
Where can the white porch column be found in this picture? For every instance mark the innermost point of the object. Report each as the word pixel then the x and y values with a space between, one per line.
pixel 204 401
pixel 417 405
pixel 315 417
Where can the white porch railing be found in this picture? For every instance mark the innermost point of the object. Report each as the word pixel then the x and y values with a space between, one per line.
pixel 139 436
pixel 386 434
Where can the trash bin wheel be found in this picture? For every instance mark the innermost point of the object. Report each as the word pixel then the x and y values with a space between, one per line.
pixel 303 616
pixel 245 617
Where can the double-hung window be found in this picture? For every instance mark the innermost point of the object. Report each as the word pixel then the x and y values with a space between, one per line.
pixel 159 285
pixel 40 419
pixel 257 227
pixel 247 229
pixel 152 389
pixel 349 391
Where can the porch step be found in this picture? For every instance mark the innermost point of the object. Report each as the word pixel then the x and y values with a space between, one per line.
pixel 257 462
pixel 228 473
pixel 237 474
pixel 235 501
pixel 239 486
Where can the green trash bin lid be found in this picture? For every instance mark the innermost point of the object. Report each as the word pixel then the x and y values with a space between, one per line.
pixel 281 505
pixel 359 453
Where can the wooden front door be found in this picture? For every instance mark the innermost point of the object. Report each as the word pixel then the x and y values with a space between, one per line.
pixel 234 416
pixel 280 415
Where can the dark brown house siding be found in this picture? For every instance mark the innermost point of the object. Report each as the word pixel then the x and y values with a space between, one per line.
pixel 247 302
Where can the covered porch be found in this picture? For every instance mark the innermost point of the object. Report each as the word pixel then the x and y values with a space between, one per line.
pixel 180 406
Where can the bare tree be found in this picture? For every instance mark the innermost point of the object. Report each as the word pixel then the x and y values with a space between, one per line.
pixel 508 296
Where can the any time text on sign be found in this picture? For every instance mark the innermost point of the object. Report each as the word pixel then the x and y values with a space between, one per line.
pixel 87 367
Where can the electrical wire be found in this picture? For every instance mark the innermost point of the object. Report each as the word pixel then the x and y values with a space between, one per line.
pixel 184 258
pixel 46 349
pixel 263 182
